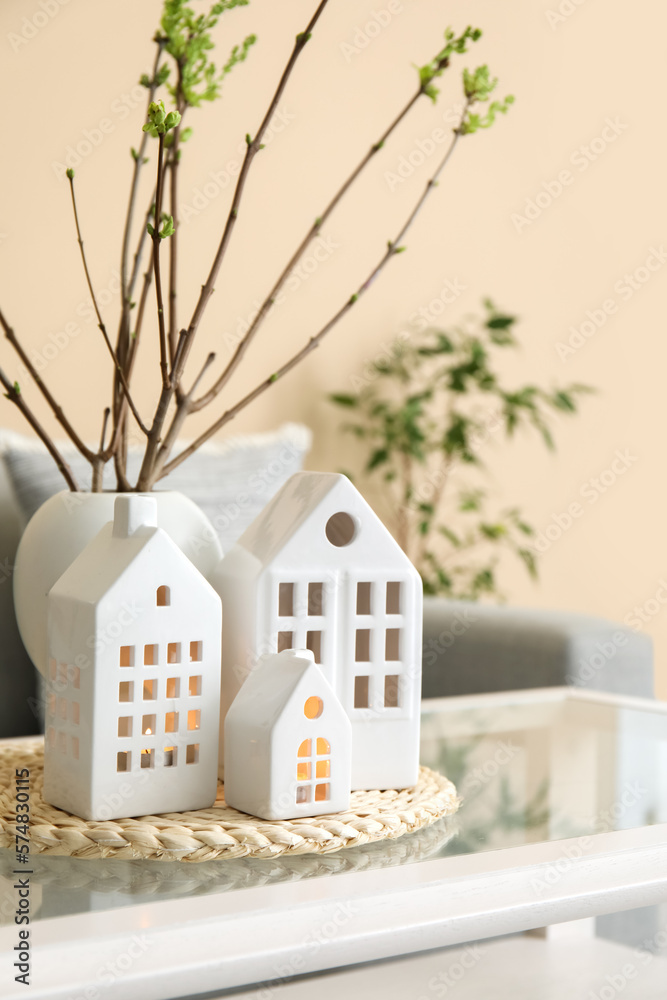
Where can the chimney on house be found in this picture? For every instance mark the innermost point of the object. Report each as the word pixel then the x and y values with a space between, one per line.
pixel 131 512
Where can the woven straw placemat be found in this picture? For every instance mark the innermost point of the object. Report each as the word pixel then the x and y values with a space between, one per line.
pixel 218 832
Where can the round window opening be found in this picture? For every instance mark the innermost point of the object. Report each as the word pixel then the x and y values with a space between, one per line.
pixel 340 529
pixel 313 707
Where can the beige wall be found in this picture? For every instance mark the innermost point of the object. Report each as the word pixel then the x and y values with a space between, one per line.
pixel 570 77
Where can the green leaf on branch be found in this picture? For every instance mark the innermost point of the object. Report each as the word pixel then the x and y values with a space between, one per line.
pixel 529 561
pixel 160 121
pixel 478 87
pixel 379 457
pixel 436 67
pixel 344 399
pixel 167 228
pixel 187 39
pixel 433 400
pixel 500 322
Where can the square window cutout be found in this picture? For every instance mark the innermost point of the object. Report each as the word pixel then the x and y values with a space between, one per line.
pixel 148 725
pixel 322 792
pixel 125 725
pixel 364 598
pixel 150 690
pixel 361 692
pixel 391 691
pixel 316 599
pixel 392 646
pixel 394 598
pixel 286 600
pixel 126 691
pixel 150 655
pixel 126 658
pixel 362 645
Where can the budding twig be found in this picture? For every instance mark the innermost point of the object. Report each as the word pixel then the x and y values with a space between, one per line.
pixel 56 408
pixel 100 321
pixel 15 395
pixel 164 363
pixel 393 247
pixel 149 471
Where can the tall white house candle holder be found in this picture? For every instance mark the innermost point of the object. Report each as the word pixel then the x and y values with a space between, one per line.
pixel 288 742
pixel 133 679
pixel 318 570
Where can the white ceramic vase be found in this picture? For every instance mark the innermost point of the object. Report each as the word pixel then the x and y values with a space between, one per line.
pixel 62 527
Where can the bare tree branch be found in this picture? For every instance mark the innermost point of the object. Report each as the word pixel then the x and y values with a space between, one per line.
pixel 252 148
pixel 314 230
pixel 57 409
pixel 98 464
pixel 174 159
pixel 393 247
pixel 125 281
pixel 164 361
pixel 100 321
pixel 147 475
pixel 15 396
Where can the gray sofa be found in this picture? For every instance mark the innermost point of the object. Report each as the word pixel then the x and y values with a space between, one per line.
pixel 468 648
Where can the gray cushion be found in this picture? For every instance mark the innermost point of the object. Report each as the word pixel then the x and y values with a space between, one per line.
pixel 18 702
pixel 474 648
pixel 231 482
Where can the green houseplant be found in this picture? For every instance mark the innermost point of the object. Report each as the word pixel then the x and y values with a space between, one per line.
pixel 183 78
pixel 425 416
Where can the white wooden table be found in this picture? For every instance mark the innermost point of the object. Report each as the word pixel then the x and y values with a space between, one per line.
pixel 565 818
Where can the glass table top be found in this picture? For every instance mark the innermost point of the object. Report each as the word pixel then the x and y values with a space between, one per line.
pixel 530 767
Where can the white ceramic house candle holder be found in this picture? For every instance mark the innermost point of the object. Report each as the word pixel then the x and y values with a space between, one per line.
pixel 317 569
pixel 288 742
pixel 132 720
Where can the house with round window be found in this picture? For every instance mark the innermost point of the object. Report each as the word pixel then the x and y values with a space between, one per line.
pixel 318 570
pixel 287 741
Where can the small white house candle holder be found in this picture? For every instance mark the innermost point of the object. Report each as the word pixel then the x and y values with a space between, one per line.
pixel 318 570
pixel 288 742
pixel 133 704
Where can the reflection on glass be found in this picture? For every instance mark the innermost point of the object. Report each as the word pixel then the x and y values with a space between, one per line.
pixel 527 772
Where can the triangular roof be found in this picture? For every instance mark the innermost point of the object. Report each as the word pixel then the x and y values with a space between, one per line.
pixel 301 496
pixel 272 683
pixel 97 569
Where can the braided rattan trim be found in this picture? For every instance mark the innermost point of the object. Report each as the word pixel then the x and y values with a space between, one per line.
pixel 218 832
